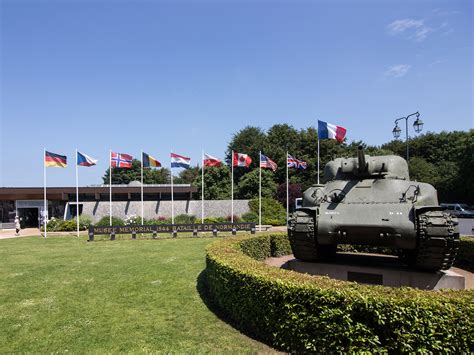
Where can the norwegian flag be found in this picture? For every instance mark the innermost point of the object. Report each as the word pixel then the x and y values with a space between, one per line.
pixel 119 160
pixel 267 163
pixel 295 163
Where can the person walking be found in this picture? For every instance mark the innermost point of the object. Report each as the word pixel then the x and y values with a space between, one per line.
pixel 17 225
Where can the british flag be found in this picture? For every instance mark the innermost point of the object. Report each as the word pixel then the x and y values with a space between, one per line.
pixel 295 163
pixel 119 160
pixel 266 162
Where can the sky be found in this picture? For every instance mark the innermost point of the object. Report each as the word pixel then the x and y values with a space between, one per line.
pixel 187 75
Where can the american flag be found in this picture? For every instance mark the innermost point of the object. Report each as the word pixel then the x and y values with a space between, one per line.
pixel 119 160
pixel 295 163
pixel 266 162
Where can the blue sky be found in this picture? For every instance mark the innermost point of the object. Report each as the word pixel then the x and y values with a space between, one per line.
pixel 153 75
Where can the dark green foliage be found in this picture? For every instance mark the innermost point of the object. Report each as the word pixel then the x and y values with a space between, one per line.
pixel 216 183
pixel 301 313
pixel 187 176
pixel 249 185
pixel 214 220
pixel 465 258
pixel 184 219
pixel 444 159
pixel 104 221
pixel 250 217
pixel 272 212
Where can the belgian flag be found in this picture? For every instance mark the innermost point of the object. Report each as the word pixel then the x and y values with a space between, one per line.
pixel 150 162
pixel 53 160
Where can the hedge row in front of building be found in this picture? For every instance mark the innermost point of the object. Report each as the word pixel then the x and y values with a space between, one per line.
pixel 299 312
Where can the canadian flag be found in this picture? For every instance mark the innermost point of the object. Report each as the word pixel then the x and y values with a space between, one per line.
pixel 240 159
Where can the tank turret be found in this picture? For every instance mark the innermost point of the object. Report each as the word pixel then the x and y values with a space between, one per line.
pixel 370 200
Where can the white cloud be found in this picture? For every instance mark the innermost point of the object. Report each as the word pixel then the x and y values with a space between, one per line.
pixel 412 29
pixel 397 71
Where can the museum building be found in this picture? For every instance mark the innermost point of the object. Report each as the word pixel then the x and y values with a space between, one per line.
pixel 28 203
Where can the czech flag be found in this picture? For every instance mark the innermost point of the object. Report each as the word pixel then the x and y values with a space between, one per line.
pixel 150 162
pixel 209 160
pixel 178 161
pixel 119 160
pixel 85 160
pixel 53 160
pixel 330 131
pixel 240 159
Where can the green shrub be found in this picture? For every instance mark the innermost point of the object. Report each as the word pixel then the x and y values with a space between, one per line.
pixel 213 220
pixel 250 217
pixel 465 258
pixel 85 222
pixel 157 221
pixel 272 211
pixel 104 221
pixel 301 313
pixel 184 219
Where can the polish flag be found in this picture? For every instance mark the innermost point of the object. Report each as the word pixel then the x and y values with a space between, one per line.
pixel 209 160
pixel 240 159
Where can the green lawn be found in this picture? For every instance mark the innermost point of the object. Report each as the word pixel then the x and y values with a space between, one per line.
pixel 64 294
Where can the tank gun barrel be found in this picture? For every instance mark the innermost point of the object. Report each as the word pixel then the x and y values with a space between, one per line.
pixel 361 159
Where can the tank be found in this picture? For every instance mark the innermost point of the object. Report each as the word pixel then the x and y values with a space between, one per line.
pixel 370 200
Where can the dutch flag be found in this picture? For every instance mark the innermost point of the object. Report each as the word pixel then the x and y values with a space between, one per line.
pixel 178 161
pixel 330 131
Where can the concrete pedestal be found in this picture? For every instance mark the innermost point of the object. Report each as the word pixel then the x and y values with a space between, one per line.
pixel 378 270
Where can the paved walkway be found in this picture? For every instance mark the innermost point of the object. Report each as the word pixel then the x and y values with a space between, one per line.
pixel 27 232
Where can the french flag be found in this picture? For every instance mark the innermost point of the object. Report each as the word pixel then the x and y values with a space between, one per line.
pixel 330 131
pixel 178 161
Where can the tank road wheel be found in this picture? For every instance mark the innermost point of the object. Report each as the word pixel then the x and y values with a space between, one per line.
pixel 301 235
pixel 437 242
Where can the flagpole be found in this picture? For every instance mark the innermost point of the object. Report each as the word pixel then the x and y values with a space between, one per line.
pixel 45 204
pixel 287 192
pixel 141 186
pixel 172 192
pixel 202 188
pixel 110 188
pixel 260 191
pixel 232 187
pixel 77 196
pixel 318 158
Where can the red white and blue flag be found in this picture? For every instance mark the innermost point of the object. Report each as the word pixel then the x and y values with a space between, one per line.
pixel 85 160
pixel 119 160
pixel 178 161
pixel 267 163
pixel 295 163
pixel 330 131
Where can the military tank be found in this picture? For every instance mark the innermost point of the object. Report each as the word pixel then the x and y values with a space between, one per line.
pixel 370 200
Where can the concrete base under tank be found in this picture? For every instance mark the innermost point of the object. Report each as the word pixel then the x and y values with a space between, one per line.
pixel 378 270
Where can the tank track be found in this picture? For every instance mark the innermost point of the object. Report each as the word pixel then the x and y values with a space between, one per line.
pixel 301 235
pixel 437 242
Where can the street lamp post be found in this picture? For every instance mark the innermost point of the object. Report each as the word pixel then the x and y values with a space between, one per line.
pixel 417 126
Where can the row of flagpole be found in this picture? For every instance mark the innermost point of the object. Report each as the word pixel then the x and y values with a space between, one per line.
pixel 235 161
pixel 325 131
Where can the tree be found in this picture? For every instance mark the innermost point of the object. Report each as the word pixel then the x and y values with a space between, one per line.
pixel 249 140
pixel 216 183
pixel 187 176
pixel 294 192
pixel 126 175
pixel 248 186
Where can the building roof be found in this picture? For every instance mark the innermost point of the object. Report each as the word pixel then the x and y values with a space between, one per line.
pixel 62 193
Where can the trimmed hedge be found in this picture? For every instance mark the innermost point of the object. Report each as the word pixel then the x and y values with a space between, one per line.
pixel 299 312
pixel 465 258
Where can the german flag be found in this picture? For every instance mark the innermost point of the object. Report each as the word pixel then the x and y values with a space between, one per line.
pixel 53 160
pixel 150 162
